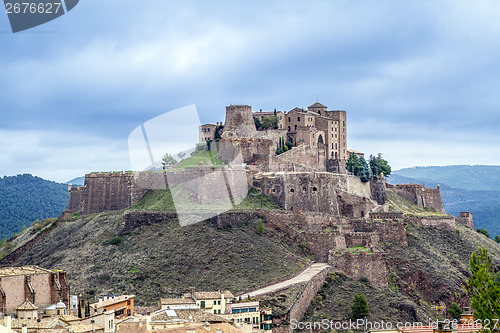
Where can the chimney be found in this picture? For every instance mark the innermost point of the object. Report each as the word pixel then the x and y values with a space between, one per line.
pixel 24 329
pixel 100 300
pixel 148 323
pixel 105 298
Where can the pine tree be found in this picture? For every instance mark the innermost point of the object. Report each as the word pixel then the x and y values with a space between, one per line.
pixel 260 227
pixel 359 307
pixel 354 165
pixel 455 311
pixel 366 174
pixel 483 289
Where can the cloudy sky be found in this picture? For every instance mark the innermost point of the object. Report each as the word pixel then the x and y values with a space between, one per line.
pixel 420 80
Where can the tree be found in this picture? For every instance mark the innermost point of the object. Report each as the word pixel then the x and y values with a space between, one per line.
pixel 378 165
pixel 258 124
pixel 260 227
pixel 79 311
pixel 168 159
pixel 354 165
pixel 484 232
pixel 87 309
pixel 270 122
pixel 218 131
pixel 497 239
pixel 366 174
pixel 483 289
pixel 359 307
pixel 455 311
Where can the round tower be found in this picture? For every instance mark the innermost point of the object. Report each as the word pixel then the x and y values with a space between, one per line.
pixel 239 122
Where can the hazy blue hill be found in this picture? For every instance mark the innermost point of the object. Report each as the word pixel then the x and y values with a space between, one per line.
pixel 78 181
pixel 24 199
pixel 482 198
pixel 469 177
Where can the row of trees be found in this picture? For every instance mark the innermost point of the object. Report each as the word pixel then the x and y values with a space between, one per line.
pixel 284 146
pixel 375 166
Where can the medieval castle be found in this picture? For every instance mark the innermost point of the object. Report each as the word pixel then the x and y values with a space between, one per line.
pixel 323 207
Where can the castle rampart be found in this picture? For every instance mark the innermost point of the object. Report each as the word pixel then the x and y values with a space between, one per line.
pixel 465 219
pixel 363 263
pixel 420 195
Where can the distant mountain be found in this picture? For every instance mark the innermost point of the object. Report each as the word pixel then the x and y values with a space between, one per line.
pixel 469 177
pixel 78 181
pixel 24 199
pixel 464 188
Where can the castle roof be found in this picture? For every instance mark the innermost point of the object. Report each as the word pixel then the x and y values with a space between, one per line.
pixel 317 105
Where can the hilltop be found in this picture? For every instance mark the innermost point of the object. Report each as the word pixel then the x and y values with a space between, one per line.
pixel 481 198
pixel 26 198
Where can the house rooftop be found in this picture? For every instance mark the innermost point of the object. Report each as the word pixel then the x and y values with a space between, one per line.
pixel 212 294
pixel 317 105
pixel 111 301
pixel 27 305
pixel 180 300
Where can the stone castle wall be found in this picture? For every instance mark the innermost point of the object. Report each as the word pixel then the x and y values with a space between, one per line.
pixel 361 264
pixel 420 195
pixel 320 192
pixel 466 219
pixel 239 122
pixel 438 222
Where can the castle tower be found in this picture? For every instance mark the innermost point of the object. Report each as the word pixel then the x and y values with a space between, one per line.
pixel 239 122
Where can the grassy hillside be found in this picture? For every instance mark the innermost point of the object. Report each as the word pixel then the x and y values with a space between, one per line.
pixel 433 268
pixel 24 199
pixel 162 259
pixel 162 200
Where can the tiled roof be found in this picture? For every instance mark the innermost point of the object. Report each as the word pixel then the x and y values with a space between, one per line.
pixel 111 301
pixel 317 105
pixel 27 305
pixel 180 300
pixel 184 314
pixel 212 294
pixel 222 327
pixel 46 323
pixel 82 328
pixel 429 329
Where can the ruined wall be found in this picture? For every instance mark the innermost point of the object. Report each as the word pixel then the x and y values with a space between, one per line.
pixel 388 230
pixel 420 195
pixel 438 222
pixel 361 264
pixel 319 191
pixel 465 219
pixel 378 190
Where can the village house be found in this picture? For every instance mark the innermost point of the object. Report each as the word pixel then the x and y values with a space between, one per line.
pixel 123 306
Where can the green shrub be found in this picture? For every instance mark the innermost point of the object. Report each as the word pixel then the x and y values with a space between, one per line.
pixel 116 241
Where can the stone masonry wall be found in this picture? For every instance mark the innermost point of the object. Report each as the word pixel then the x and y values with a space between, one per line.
pixel 466 219
pixel 420 195
pixel 362 264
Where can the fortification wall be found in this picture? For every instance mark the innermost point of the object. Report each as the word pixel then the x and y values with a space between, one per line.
pixel 105 192
pixel 438 222
pixel 239 122
pixel 302 158
pixel 362 264
pixel 363 239
pixel 420 195
pixel 465 219
pixel 378 190
pixel 319 191
pixel 388 230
